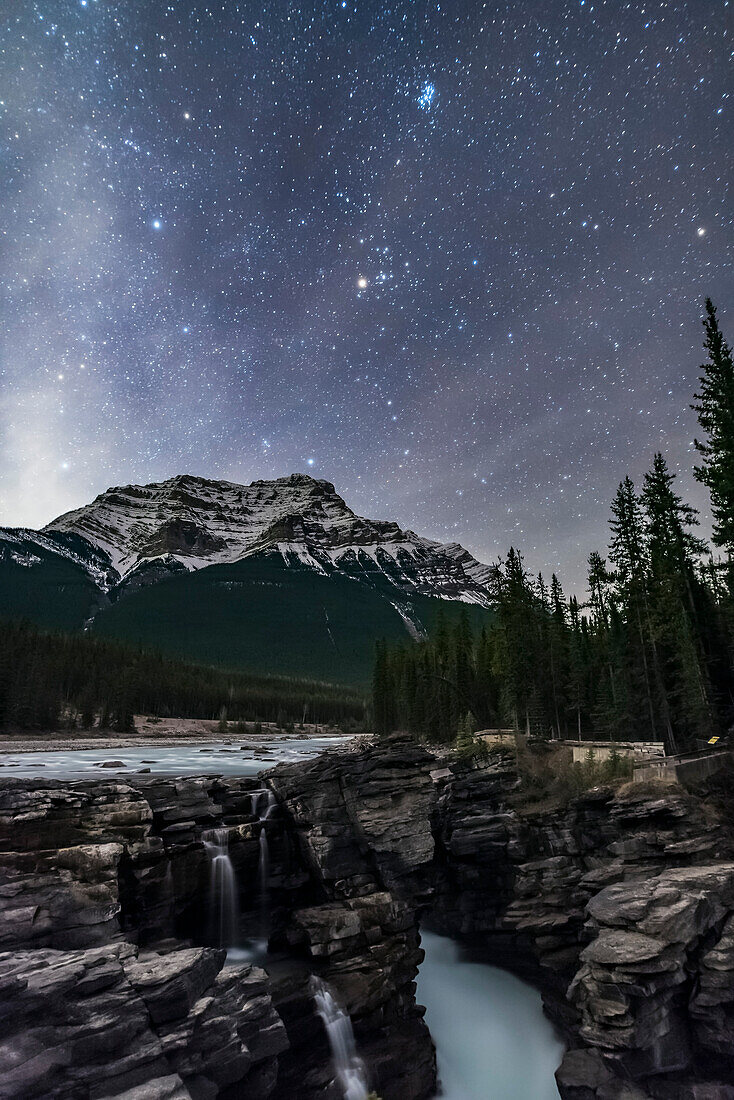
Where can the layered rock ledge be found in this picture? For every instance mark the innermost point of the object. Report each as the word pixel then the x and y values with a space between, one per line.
pixel 105 891
pixel 619 905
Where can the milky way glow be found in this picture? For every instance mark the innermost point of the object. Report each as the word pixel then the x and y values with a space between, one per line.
pixel 231 224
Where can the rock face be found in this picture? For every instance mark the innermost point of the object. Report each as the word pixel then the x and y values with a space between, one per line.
pixel 111 1021
pixel 362 825
pixel 655 989
pixel 620 906
pixel 103 886
pixel 364 818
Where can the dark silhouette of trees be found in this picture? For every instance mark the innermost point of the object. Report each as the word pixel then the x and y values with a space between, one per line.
pixel 48 680
pixel 649 656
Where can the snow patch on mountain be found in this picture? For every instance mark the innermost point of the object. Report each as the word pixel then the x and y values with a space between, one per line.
pixel 26 547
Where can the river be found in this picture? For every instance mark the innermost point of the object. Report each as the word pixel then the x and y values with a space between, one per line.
pixel 223 758
pixel 492 1039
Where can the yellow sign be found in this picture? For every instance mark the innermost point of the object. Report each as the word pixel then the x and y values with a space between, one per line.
pixel 712 740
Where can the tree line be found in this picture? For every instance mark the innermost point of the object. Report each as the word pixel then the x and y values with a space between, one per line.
pixel 49 680
pixel 647 656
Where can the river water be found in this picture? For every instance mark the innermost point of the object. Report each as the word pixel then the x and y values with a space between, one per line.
pixel 492 1040
pixel 224 758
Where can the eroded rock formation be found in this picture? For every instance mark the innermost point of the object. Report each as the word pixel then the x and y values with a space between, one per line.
pixel 620 906
pixel 110 1021
pixel 103 890
pixel 549 894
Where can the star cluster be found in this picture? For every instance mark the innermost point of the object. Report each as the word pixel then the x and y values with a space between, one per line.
pixel 448 255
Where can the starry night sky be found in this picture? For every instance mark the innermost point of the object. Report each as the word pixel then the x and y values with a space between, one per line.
pixel 450 256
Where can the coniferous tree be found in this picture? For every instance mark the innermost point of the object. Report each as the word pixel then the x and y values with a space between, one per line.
pixel 714 404
pixel 629 553
pixel 381 691
pixel 672 599
pixel 576 685
pixel 44 676
pixel 558 655
pixel 516 644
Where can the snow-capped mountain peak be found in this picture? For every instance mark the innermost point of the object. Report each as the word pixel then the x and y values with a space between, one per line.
pixel 193 522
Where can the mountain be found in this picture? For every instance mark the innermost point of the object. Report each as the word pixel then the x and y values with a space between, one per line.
pixel 280 576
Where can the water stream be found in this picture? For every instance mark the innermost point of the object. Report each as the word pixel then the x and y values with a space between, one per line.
pixel 263 803
pixel 224 909
pixel 348 1067
pixel 492 1039
pixel 213 758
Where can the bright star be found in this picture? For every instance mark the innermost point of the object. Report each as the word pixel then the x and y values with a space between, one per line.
pixel 157 223
pixel 701 231
pixel 310 462
pixel 362 282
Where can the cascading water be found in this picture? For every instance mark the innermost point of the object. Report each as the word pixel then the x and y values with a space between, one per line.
pixel 263 802
pixel 223 898
pixel 263 875
pixel 350 1071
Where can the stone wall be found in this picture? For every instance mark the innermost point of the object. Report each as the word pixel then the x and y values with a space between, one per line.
pixel 642 751
pixel 688 772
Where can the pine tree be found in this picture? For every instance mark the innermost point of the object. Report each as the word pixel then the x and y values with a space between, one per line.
pixel 609 712
pixel 465 742
pixel 558 654
pixel 714 404
pixel 672 547
pixel 485 691
pixel 516 643
pixel 628 551
pixel 672 599
pixel 577 665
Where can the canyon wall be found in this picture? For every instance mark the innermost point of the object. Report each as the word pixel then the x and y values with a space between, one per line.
pixel 619 905
pixel 108 987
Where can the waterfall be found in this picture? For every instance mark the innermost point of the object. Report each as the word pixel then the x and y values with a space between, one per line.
pixel 263 802
pixel 263 875
pixel 350 1071
pixel 223 899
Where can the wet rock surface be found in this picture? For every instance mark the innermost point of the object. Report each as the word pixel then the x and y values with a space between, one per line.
pixel 112 1021
pixel 619 906
pixel 361 824
pixel 104 892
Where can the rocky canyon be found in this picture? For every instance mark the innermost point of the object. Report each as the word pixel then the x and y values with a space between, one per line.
pixel 114 980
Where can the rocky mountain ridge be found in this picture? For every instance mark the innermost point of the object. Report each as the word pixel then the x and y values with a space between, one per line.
pixel 272 577
pixel 192 522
